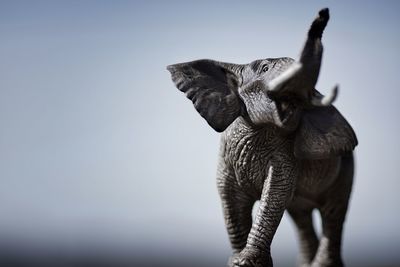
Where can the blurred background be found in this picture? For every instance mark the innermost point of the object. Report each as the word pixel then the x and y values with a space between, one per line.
pixel 103 162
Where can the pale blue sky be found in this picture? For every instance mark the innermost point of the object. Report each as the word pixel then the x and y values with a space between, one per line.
pixel 97 145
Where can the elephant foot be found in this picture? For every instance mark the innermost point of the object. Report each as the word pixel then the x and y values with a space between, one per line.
pixel 250 258
pixel 231 258
pixel 327 263
pixel 304 265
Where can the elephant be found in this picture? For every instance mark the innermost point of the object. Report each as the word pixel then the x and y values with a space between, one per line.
pixel 283 144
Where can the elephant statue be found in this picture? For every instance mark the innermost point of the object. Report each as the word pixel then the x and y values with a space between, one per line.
pixel 282 144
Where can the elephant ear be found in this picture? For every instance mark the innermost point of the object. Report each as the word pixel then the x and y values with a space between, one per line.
pixel 212 86
pixel 323 132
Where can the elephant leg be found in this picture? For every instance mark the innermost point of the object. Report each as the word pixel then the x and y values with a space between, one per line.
pixel 237 208
pixel 308 240
pixel 333 213
pixel 276 193
pixel 329 249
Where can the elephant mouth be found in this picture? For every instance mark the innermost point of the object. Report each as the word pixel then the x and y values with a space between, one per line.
pixel 285 110
pixel 287 113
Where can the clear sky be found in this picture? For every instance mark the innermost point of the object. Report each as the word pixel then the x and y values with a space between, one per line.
pixel 97 146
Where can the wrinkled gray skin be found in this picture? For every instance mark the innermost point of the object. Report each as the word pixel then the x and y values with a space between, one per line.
pixel 283 143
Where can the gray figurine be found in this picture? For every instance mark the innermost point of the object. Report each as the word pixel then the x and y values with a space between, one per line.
pixel 283 143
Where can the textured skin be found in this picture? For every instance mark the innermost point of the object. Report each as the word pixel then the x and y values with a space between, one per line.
pixel 276 147
pixel 259 164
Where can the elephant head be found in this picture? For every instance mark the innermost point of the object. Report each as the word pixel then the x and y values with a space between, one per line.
pixel 273 92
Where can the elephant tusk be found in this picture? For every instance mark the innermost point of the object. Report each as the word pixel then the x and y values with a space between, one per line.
pixel 279 82
pixel 325 100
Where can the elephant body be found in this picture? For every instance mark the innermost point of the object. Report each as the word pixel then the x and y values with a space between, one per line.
pixel 249 151
pixel 282 143
pixel 246 155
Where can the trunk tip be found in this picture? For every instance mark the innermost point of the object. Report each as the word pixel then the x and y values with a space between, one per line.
pixel 319 24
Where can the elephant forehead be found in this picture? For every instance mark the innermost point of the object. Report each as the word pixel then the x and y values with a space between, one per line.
pixel 279 65
pixel 275 67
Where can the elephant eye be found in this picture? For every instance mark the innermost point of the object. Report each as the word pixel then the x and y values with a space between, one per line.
pixel 265 68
